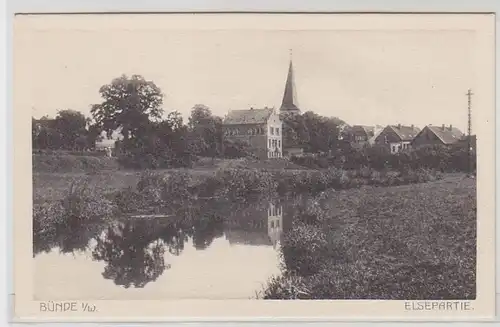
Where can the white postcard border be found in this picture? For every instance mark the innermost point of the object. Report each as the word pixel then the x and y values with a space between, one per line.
pixel 242 310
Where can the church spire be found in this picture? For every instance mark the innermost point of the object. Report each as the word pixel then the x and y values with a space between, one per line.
pixel 289 103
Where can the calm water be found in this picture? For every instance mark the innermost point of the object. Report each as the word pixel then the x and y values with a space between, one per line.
pixel 207 249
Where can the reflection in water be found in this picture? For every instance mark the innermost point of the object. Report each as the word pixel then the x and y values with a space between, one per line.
pixel 275 223
pixel 137 251
pixel 132 258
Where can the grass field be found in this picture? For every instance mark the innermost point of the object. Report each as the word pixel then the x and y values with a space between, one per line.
pixel 53 175
pixel 402 242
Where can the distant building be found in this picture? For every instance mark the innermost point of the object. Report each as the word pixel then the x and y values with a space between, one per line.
pixel 465 140
pixel 260 128
pixel 289 104
pixel 443 135
pixel 359 135
pixel 397 137
pixel 108 144
pixel 376 132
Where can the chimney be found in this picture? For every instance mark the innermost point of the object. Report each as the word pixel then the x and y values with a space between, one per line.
pixel 412 126
pixel 399 126
pixel 442 127
pixel 451 127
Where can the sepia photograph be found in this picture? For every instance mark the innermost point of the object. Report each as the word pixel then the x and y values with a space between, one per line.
pixel 257 157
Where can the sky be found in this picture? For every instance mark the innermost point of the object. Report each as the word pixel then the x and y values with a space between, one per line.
pixel 364 76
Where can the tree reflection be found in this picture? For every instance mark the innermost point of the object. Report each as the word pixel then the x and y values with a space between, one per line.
pixel 134 250
pixel 133 258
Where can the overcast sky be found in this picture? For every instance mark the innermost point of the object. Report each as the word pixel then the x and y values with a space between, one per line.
pixel 361 76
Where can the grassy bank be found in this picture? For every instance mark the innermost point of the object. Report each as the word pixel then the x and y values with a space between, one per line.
pixel 401 242
pixel 69 163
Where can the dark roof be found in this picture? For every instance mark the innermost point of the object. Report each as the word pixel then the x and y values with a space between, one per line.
pixel 289 102
pixel 405 133
pixel 247 116
pixel 362 130
pixel 447 135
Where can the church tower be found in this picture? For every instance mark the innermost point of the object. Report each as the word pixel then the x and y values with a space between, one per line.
pixel 289 103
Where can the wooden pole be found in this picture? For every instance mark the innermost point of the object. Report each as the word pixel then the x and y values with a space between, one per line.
pixel 469 134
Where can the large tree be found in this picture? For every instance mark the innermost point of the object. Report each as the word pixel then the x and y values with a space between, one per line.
pixel 71 125
pixel 129 104
pixel 205 131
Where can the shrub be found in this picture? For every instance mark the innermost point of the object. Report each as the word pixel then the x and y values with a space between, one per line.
pixel 164 188
pixel 303 248
pixel 84 203
pixel 241 183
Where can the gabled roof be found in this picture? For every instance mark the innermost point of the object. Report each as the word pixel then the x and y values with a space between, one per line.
pixel 447 135
pixel 247 116
pixel 405 133
pixel 375 135
pixel 361 129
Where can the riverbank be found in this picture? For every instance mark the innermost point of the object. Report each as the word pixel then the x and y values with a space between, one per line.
pixel 401 243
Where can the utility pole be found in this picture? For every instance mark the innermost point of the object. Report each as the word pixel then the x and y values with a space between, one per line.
pixel 469 134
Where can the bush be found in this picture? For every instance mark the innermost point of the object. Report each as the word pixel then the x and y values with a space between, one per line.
pixel 84 203
pixel 303 248
pixel 453 158
pixel 240 183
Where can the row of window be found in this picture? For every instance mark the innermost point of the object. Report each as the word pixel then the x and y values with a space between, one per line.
pixel 251 131
pixel 273 225
pixel 275 211
pixel 404 146
pixel 274 143
pixel 273 154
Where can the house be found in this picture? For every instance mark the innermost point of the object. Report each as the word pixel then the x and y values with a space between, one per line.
pixel 443 135
pixel 359 135
pixel 105 142
pixel 259 128
pixel 376 132
pixel 465 141
pixel 397 137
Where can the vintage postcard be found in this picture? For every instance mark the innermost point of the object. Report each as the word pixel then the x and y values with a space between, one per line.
pixel 245 166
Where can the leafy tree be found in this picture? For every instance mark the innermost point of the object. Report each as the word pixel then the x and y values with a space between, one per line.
pixel 71 125
pixel 314 132
pixel 205 131
pixel 128 104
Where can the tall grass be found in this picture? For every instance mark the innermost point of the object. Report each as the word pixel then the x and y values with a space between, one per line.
pixel 404 243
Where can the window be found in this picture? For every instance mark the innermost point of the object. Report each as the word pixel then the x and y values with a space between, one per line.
pixel 270 143
pixel 277 131
pixel 277 223
pixel 272 224
pixel 393 148
pixel 272 130
pixel 279 143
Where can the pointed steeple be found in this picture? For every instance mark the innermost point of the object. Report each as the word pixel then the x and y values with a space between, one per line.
pixel 289 103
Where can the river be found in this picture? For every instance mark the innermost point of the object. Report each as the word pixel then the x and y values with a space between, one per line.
pixel 204 250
